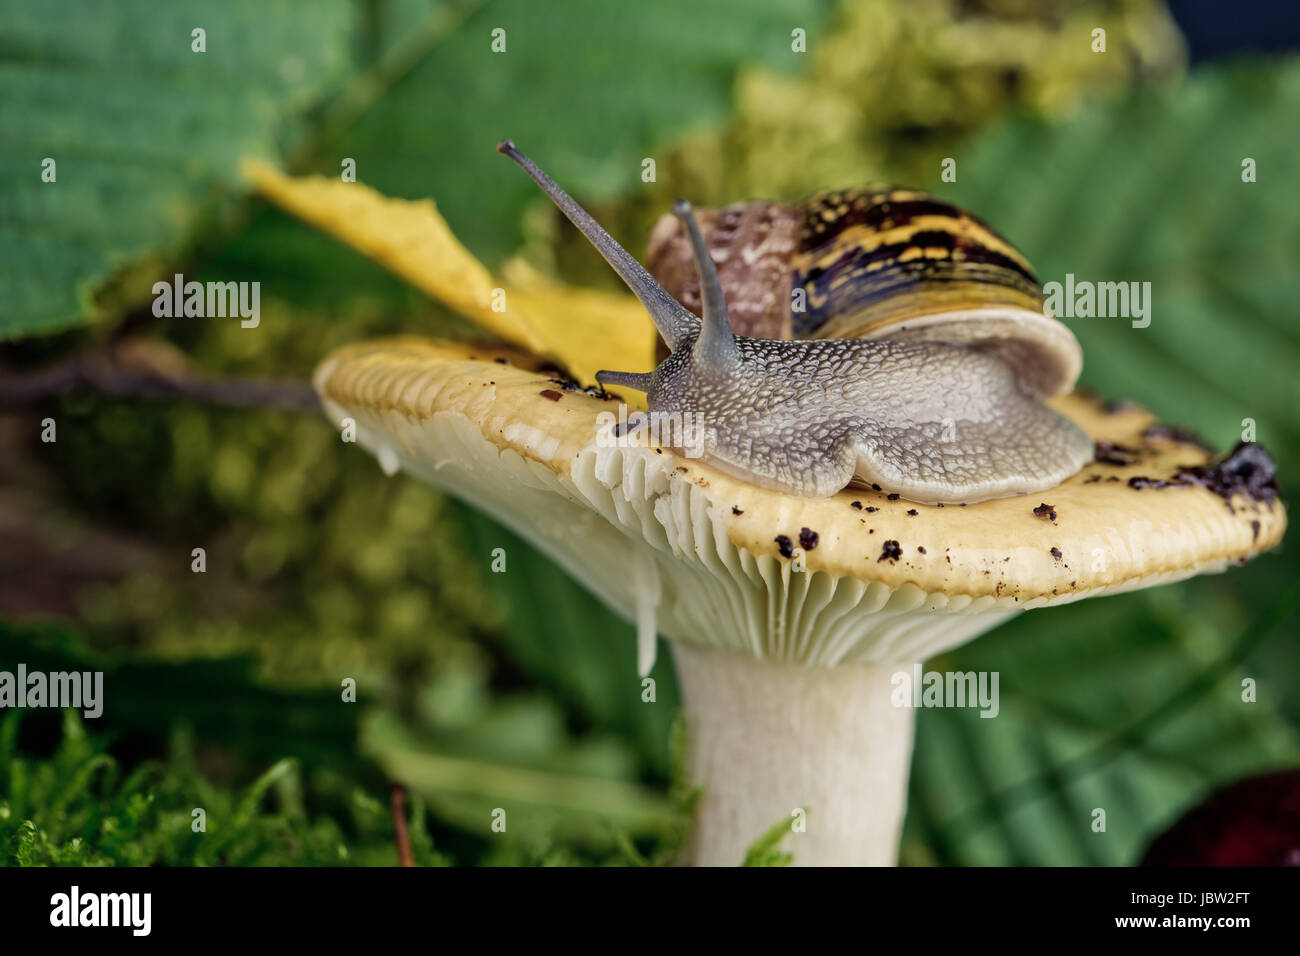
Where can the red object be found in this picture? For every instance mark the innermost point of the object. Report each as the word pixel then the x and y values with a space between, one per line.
pixel 1253 822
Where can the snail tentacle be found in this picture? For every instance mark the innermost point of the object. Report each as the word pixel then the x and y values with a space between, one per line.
pixel 674 322
pixel 641 381
pixel 716 345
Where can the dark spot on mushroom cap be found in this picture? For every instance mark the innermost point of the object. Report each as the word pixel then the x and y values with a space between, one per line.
pixel 1056 553
pixel 921 549
pixel 871 510
pixel 1046 512
pixel 1176 433
pixel 912 512
pixel 875 487
pixel 857 504
pixel 1247 470
pixel 1254 528
pixel 502 361
pixel 785 546
pixel 807 539
pixel 628 427
pixel 550 393
pixel 736 511
pixel 1116 405
pixel 891 551
pixel 1092 479
pixel 1108 453
pixel 570 384
pixel 892 497
pixel 1140 482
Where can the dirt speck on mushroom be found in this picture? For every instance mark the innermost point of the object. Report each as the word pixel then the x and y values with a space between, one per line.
pixel 1184 436
pixel 1247 470
pixel 891 551
pixel 1109 453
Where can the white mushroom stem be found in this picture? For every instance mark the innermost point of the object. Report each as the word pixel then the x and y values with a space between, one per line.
pixel 767 740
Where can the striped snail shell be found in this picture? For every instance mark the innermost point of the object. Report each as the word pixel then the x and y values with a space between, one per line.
pixel 873 262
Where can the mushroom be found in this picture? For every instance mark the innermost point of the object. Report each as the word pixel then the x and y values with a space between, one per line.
pixel 788 617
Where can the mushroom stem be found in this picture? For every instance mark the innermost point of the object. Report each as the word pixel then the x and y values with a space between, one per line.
pixel 766 740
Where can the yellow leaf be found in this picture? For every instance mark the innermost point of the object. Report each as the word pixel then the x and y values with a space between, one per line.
pixel 584 330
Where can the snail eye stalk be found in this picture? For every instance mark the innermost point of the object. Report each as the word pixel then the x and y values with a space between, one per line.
pixel 716 346
pixel 673 321
pixel 641 381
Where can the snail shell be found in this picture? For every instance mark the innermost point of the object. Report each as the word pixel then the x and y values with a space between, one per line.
pixel 876 262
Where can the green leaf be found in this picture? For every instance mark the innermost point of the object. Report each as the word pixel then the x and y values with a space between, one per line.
pixel 144 132
pixel 573 644
pixel 144 697
pixel 433 133
pixel 766 850
pixel 563 788
pixel 1133 705
pixel 1151 190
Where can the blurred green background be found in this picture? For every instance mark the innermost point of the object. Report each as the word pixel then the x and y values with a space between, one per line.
pixel 480 690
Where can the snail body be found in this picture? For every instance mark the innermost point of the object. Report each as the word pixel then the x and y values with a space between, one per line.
pixel 918 364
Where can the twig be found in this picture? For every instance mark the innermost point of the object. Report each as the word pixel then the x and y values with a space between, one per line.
pixel 401 836
pixel 143 370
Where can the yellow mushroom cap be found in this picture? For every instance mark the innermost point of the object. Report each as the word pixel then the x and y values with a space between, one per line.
pixel 854 578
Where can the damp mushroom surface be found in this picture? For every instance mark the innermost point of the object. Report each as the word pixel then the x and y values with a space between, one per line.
pixel 788 616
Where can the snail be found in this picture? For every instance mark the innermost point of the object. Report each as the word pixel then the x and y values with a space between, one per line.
pixel 917 365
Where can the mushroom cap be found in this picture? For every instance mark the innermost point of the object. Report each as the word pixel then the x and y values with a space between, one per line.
pixel 882 581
